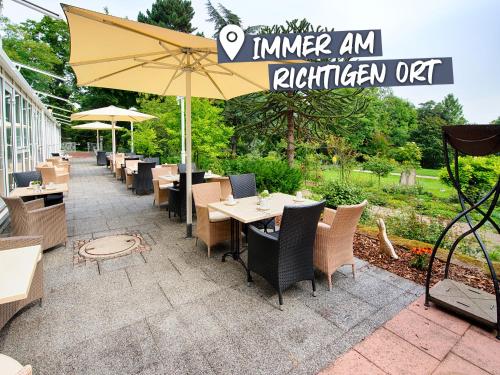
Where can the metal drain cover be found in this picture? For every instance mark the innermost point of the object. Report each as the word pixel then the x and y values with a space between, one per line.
pixel 110 246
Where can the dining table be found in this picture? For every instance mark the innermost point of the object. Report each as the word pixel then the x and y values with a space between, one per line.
pixel 21 192
pixel 249 210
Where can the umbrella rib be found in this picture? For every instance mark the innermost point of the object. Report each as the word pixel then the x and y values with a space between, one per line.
pixel 160 64
pixel 210 77
pixel 87 62
pixel 162 44
pixel 117 72
pixel 174 76
pixel 239 75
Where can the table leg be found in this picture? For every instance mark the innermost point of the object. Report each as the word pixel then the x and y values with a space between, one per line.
pixel 235 252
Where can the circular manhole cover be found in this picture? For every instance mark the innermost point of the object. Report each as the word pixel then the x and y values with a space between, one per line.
pixel 110 246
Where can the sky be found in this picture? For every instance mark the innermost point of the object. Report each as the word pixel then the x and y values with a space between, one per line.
pixel 468 31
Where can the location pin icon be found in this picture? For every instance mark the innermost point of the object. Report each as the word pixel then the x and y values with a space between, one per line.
pixel 231 38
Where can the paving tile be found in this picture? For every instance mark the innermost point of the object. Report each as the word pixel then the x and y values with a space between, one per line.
pixel 352 363
pixel 480 350
pixel 455 365
pixel 394 355
pixel 125 261
pixel 423 333
pixel 438 316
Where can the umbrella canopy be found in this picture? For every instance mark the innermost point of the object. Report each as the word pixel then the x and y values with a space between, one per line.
pixel 96 126
pixel 113 114
pixel 112 52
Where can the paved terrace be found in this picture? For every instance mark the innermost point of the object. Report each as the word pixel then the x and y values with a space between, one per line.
pixel 172 310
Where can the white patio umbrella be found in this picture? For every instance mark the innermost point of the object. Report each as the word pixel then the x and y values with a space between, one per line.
pixel 112 52
pixel 113 114
pixel 96 126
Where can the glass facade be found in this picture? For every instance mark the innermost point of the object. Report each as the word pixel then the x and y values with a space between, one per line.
pixel 28 132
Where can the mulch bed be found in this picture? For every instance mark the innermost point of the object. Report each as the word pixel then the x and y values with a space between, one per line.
pixel 367 248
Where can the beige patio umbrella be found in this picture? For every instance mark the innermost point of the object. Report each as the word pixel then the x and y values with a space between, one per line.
pixel 96 126
pixel 112 52
pixel 113 114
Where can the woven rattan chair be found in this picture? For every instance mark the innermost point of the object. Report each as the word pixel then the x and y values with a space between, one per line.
pixel 212 227
pixel 101 158
pixel 119 160
pixel 33 219
pixel 52 174
pixel 174 168
pixel 8 310
pixel 23 179
pixel 58 162
pixel 334 239
pixel 177 194
pixel 225 186
pixel 160 195
pixel 154 159
pixel 143 179
pixel 130 166
pixel 285 257
pixel 243 186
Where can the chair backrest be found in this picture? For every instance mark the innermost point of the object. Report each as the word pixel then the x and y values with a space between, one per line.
pixel 346 220
pixel 144 169
pixel 155 159
pixel 160 171
pixel 173 167
pixel 18 213
pixel 23 179
pixel 55 154
pixel 131 163
pixel 182 167
pixel 196 178
pixel 206 193
pixel 48 174
pixel 243 185
pixel 101 157
pixel 54 160
pixel 298 231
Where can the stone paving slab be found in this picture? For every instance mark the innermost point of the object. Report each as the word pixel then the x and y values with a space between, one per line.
pixel 173 310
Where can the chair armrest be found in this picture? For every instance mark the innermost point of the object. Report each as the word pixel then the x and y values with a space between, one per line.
pixel 34 204
pixel 41 212
pixel 261 240
pixel 19 241
pixel 328 216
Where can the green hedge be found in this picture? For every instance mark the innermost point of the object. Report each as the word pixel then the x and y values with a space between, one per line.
pixel 271 174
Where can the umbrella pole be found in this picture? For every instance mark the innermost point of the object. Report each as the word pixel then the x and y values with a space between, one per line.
pixel 113 141
pixel 189 199
pixel 132 137
pixel 97 143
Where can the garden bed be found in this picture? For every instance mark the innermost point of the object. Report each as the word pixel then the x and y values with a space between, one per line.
pixel 366 247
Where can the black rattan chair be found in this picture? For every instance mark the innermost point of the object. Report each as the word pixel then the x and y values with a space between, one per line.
pixel 23 179
pixel 101 158
pixel 55 154
pixel 243 186
pixel 177 194
pixel 182 167
pixel 285 257
pixel 143 179
pixel 155 159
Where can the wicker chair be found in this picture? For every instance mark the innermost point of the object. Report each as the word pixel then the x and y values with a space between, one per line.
pixel 177 194
pixel 52 174
pixel 334 239
pixel 101 158
pixel 55 154
pixel 225 186
pixel 286 257
pixel 130 165
pixel 58 162
pixel 8 310
pixel 155 159
pixel 23 179
pixel 160 195
pixel 212 227
pixel 143 179
pixel 174 168
pixel 119 160
pixel 243 186
pixel 182 167
pixel 33 219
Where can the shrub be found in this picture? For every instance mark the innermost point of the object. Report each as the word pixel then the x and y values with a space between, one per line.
pixel 411 226
pixel 379 166
pixel 402 189
pixel 337 193
pixel 420 258
pixel 270 173
pixel 477 175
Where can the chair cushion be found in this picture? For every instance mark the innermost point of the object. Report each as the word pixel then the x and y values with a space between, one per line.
pixel 324 226
pixel 9 366
pixel 216 216
pixel 165 186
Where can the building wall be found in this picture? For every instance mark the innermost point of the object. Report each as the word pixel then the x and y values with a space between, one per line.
pixel 28 131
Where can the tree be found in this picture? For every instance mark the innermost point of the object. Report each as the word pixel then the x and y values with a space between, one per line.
pixel 171 14
pixel 451 111
pixel 343 154
pixel 496 122
pixel 220 16
pixel 408 156
pixel 380 166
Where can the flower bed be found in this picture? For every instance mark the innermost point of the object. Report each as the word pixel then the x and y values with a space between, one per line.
pixel 367 248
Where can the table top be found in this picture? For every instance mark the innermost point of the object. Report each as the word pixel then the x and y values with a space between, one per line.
pixel 246 209
pixel 17 268
pixel 28 192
